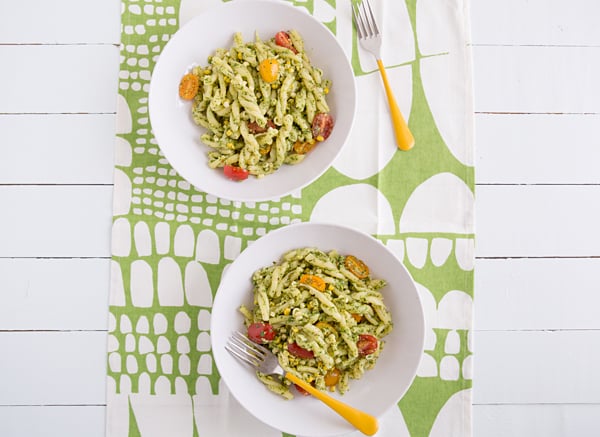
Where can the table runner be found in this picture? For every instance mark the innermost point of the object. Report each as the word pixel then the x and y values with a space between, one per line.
pixel 171 242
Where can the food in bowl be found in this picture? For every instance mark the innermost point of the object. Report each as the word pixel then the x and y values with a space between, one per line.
pixel 322 315
pixel 262 103
pixel 379 389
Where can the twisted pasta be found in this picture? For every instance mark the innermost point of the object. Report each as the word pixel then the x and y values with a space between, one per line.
pixel 326 318
pixel 258 102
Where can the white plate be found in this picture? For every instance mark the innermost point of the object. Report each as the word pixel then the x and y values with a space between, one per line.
pixel 178 136
pixel 379 389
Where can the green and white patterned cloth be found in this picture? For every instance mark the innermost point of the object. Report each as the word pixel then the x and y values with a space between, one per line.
pixel 171 242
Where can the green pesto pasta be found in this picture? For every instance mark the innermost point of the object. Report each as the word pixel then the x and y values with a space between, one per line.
pixel 258 102
pixel 328 318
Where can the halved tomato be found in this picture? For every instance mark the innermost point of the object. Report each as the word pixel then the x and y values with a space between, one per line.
pixel 303 147
pixel 188 86
pixel 255 128
pixel 322 126
pixel 366 344
pixel 357 317
pixel 299 351
pixel 313 281
pixel 269 69
pixel 301 390
pixel 283 39
pixel 261 332
pixel 235 173
pixel 356 267
pixel 326 328
pixel 332 377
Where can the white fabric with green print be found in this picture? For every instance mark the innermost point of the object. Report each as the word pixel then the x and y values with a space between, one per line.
pixel 171 242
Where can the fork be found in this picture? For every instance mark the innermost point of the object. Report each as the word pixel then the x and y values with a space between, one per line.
pixel 266 362
pixel 370 39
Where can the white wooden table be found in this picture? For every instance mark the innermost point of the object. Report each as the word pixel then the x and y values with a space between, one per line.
pixel 537 103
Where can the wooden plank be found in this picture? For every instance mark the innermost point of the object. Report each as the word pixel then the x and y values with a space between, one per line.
pixel 52 421
pixel 54 294
pixel 77 289
pixel 530 294
pixel 55 221
pixel 83 78
pixel 53 368
pixel 538 220
pixel 59 22
pixel 536 420
pixel 57 149
pixel 528 367
pixel 512 367
pixel 488 420
pixel 535 22
pixel 536 79
pixel 537 148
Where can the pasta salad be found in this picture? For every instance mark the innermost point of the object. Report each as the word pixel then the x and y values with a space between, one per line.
pixel 322 315
pixel 262 102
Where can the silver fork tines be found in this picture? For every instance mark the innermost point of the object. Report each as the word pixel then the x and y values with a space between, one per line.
pixel 246 350
pixel 366 26
pixel 264 361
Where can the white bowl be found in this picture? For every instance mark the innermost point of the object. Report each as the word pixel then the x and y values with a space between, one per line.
pixel 179 138
pixel 379 389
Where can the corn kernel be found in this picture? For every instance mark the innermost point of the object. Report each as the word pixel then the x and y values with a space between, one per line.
pixel 230 145
pixel 229 132
pixel 207 71
pixel 239 55
pixel 274 86
pixel 330 287
pixel 326 90
pixel 320 138
pixel 286 311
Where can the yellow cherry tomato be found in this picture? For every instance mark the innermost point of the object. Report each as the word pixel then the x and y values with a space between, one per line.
pixel 303 147
pixel 357 317
pixel 313 281
pixel 332 377
pixel 269 69
pixel 188 86
pixel 326 328
pixel 356 267
pixel 264 150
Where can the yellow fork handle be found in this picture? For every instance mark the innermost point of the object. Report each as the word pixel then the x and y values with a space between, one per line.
pixel 364 422
pixel 404 138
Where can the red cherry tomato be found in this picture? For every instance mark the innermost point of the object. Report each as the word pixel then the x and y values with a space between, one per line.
pixel 299 351
pixel 322 126
pixel 254 127
pixel 261 333
pixel 301 390
pixel 283 39
pixel 235 173
pixel 367 344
